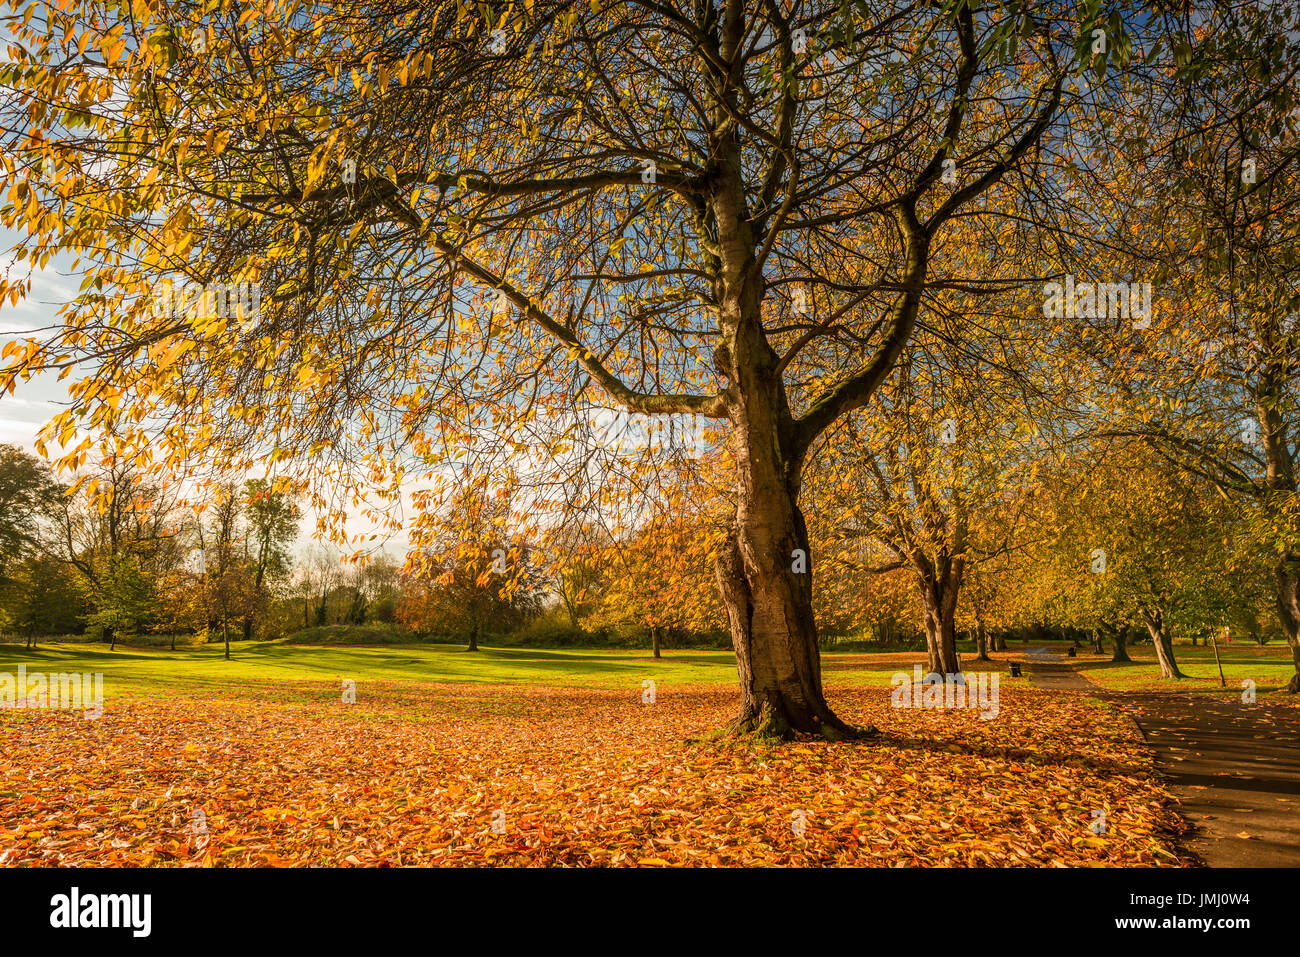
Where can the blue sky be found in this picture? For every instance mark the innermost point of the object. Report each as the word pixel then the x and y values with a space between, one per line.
pixel 22 414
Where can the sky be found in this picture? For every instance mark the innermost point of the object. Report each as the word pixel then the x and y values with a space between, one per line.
pixel 37 401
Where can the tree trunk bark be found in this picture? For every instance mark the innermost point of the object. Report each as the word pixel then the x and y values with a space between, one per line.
pixel 654 640
pixel 473 637
pixel 1096 642
pixel 939 600
pixel 1119 639
pixel 1288 603
pixel 1164 645
pixel 764 569
pixel 999 641
pixel 769 610
pixel 982 640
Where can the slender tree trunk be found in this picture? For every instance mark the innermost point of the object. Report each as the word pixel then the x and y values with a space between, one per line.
pixel 939 602
pixel 1164 645
pixel 982 640
pixel 1288 604
pixel 1096 642
pixel 999 641
pixel 654 640
pixel 473 636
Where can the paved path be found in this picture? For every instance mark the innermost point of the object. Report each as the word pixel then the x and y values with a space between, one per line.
pixel 1054 672
pixel 1236 770
pixel 1234 767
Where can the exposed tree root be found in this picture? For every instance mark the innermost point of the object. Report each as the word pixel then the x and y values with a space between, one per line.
pixel 770 725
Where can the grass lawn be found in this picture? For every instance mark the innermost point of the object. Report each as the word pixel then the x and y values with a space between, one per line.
pixel 135 672
pixel 1269 666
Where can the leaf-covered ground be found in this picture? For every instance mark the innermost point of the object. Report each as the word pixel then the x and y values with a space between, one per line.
pixel 286 774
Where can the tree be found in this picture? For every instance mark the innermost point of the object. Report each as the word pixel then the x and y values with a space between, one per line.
pixel 1214 386
pixel 125 600
pixel 181 604
pixel 43 597
pixel 1129 543
pixel 659 577
pixel 120 533
pixel 272 520
pixel 467 567
pixel 936 472
pixel 27 496
pixel 655 196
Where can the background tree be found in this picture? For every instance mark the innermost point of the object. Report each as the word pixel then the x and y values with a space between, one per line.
pixel 468 566
pixel 28 495
pixel 272 520
pixel 1213 153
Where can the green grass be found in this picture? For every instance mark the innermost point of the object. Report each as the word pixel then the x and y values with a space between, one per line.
pixel 1269 666
pixel 145 671
pixel 137 671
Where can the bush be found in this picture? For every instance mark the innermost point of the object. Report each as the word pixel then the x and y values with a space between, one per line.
pixel 550 630
pixel 373 634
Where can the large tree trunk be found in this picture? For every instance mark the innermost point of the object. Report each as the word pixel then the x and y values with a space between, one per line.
pixel 769 609
pixel 1119 639
pixel 473 636
pixel 1164 645
pixel 764 569
pixel 1288 602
